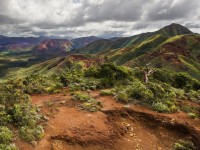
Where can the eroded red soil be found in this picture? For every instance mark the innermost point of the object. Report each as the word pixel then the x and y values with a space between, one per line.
pixel 116 126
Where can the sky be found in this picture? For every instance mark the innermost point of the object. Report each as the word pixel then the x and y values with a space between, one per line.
pixel 105 18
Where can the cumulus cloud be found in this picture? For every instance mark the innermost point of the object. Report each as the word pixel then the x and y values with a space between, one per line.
pixel 77 18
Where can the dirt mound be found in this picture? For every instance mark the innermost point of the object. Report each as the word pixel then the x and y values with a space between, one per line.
pixel 85 128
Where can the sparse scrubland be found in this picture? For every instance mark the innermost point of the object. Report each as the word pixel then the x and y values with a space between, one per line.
pixel 163 93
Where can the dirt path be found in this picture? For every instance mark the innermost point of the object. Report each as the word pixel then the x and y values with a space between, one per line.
pixel 116 126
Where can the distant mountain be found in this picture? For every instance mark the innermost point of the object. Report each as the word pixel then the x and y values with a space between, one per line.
pixel 115 38
pixel 174 29
pixel 18 42
pixel 56 45
pixel 1 36
pixel 97 46
pixel 83 41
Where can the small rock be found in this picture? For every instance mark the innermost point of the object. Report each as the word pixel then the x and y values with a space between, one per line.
pixel 46 118
pixel 131 134
pixel 48 114
pixel 34 143
pixel 128 125
pixel 62 102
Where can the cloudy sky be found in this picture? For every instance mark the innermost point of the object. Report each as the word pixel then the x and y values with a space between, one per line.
pixel 108 18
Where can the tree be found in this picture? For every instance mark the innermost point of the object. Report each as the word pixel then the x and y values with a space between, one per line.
pixel 146 69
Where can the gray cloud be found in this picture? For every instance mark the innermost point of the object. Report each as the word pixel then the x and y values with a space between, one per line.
pixel 98 17
pixel 173 9
pixel 8 20
pixel 118 10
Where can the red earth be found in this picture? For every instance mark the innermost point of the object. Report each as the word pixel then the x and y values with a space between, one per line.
pixel 116 126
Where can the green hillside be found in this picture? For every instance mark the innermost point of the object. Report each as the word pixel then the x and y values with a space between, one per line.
pixel 180 53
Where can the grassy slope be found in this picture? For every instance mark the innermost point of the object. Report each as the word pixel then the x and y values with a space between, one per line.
pixel 180 53
pixel 53 66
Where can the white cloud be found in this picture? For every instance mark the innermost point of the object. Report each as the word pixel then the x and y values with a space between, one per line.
pixel 97 17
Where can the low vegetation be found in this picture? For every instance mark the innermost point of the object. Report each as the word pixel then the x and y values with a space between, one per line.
pixel 184 145
pixel 17 114
pixel 88 103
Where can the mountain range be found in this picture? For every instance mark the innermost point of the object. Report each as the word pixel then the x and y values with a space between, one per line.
pixel 173 46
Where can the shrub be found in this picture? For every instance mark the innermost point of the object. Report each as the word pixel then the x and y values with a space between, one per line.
pixel 113 72
pixel 194 95
pixel 183 80
pixel 31 134
pixel 184 145
pixel 123 97
pixel 107 83
pixel 5 135
pixel 107 92
pixel 89 103
pixel 13 93
pixel 92 106
pixel 4 117
pixel 81 96
pixel 156 89
pixel 25 115
pixel 139 91
pixel 8 147
pixel 92 72
pixel 160 107
pixel 193 115
pixel 164 75
pixel 188 109
pixel 37 84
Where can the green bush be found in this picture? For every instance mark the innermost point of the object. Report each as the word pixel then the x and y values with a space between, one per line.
pixel 193 115
pixel 4 117
pixel 156 89
pixel 76 81
pixel 89 103
pixel 164 75
pixel 37 84
pixel 6 135
pixel 107 83
pixel 8 147
pixel 92 106
pixel 92 72
pixel 13 93
pixel 194 95
pixel 113 72
pixel 184 145
pixel 188 109
pixel 81 96
pixel 123 97
pixel 184 81
pixel 16 109
pixel 107 92
pixel 31 134
pixel 25 115
pixel 139 91
pixel 160 107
